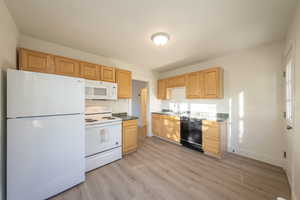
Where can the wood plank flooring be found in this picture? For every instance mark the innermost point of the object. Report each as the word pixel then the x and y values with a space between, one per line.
pixel 163 171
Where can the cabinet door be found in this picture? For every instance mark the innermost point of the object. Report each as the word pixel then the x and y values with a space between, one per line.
pixel 193 85
pixel 130 136
pixel 66 66
pixel 171 82
pixel 173 130
pixel 177 81
pixel 168 128
pixel 108 74
pixel 159 89
pixel 213 83
pixel 162 91
pixel 156 124
pixel 35 61
pixel 176 131
pixel 90 71
pixel 211 130
pixel 124 81
pixel 165 129
pixel 211 147
pixel 211 137
pixel 180 81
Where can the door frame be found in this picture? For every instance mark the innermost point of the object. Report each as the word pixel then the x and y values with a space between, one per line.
pixel 289 56
pixel 144 96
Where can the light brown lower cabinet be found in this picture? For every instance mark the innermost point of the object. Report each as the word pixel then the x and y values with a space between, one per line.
pixel 214 134
pixel 214 138
pixel 166 127
pixel 156 124
pixel 130 136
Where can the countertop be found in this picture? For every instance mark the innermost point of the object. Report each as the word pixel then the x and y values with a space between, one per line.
pixel 124 116
pixel 219 117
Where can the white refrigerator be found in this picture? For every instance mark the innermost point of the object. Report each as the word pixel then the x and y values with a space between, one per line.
pixel 45 134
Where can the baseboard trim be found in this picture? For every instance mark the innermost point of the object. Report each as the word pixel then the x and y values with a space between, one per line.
pixel 257 156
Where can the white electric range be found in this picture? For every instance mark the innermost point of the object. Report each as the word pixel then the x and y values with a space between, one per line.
pixel 103 142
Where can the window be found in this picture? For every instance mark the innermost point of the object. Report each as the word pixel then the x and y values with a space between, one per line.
pixel 289 92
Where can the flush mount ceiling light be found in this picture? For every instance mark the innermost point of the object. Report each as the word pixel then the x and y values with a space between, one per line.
pixel 160 39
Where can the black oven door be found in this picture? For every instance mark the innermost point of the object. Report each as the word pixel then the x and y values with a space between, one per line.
pixel 191 133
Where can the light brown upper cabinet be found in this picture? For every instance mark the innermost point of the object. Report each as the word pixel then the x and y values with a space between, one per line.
pixel 162 90
pixel 90 71
pixel 213 83
pixel 35 61
pixel 66 66
pixel 204 84
pixel 177 81
pixel 108 74
pixel 46 63
pixel 124 81
pixel 194 85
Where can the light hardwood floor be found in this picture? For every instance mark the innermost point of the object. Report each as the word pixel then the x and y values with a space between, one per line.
pixel 161 170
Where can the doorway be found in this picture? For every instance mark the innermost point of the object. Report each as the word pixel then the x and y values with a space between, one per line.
pixel 140 105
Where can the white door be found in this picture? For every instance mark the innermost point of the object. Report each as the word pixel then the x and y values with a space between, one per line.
pixel 39 94
pixel 45 156
pixel 102 137
pixel 289 114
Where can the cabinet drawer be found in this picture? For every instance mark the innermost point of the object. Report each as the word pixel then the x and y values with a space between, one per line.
pixel 98 160
pixel 130 123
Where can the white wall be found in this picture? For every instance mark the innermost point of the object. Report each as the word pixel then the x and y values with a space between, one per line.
pixel 138 72
pixel 293 137
pixel 253 98
pixel 8 43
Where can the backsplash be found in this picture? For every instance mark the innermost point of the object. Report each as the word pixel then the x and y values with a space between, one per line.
pixel 178 103
pixel 118 106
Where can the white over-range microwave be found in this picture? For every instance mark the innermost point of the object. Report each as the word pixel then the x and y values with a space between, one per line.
pixel 100 90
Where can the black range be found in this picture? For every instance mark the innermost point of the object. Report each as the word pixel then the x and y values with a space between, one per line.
pixel 191 132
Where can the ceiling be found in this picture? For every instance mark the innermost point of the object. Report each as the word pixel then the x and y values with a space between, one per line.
pixel 121 29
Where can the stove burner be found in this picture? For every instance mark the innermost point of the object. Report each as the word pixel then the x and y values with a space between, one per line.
pixel 90 120
pixel 110 118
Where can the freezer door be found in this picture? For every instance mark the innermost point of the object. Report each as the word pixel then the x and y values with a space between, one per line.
pixel 39 94
pixel 45 156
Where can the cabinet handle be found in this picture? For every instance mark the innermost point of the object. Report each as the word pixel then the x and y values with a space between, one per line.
pixel 288 127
